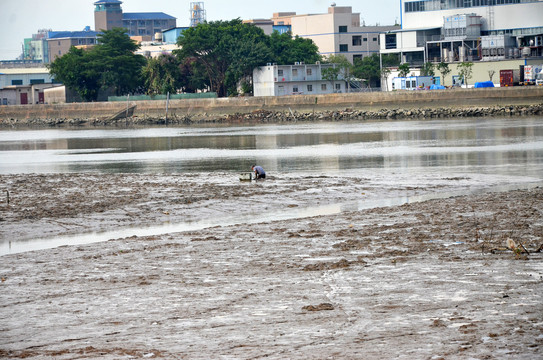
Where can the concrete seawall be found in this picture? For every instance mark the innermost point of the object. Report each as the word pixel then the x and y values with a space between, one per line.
pixel 217 108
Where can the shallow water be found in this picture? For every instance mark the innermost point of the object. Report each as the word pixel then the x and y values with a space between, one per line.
pixel 503 145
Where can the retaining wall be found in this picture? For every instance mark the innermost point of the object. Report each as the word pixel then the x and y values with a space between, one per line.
pixel 211 108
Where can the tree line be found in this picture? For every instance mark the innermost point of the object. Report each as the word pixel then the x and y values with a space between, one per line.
pixel 218 56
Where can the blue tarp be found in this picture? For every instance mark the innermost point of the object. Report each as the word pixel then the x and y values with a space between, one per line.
pixel 483 84
pixel 436 87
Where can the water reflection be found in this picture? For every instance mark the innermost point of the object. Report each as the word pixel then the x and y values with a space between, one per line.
pixel 318 147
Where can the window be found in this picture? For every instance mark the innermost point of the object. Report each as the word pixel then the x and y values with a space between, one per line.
pixel 365 39
pixel 338 86
pixel 323 87
pixel 280 72
pixel 37 81
pixel 16 82
pixel 343 48
pixel 357 58
pixel 295 89
pixel 390 41
pixel 309 72
pixel 309 88
pixel 343 29
pixel 357 40
pixel 4 101
pixel 374 39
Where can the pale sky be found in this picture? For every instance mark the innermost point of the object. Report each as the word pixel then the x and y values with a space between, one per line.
pixel 19 19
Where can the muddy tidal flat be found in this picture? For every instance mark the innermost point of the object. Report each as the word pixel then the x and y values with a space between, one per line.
pixel 454 278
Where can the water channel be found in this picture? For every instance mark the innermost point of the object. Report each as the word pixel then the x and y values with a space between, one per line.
pixel 508 147
pixel 502 144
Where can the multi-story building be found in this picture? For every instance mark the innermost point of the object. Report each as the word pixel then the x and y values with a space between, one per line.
pixel 466 30
pixel 60 42
pixel 297 79
pixel 147 24
pixel 36 48
pixel 108 14
pixel 337 32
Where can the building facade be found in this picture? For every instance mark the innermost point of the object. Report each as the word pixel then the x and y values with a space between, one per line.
pixel 297 79
pixel 108 14
pixel 467 30
pixel 337 32
pixel 24 76
pixel 147 24
pixel 22 86
pixel 60 42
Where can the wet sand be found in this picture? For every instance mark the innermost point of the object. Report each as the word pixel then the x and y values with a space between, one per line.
pixel 425 280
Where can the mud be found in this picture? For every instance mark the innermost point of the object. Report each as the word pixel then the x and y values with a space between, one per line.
pixel 426 280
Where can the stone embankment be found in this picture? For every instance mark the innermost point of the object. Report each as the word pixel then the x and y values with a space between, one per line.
pixel 267 116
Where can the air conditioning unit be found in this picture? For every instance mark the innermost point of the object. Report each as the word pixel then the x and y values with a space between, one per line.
pixel 297 63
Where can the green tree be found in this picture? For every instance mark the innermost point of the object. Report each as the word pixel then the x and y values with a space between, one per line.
pixel 111 64
pixel 73 70
pixel 465 71
pixel 162 75
pixel 444 69
pixel 193 75
pixel 227 50
pixel 390 60
pixel 342 70
pixel 404 70
pixel 114 56
pixel 368 69
pixel 427 69
pixel 287 50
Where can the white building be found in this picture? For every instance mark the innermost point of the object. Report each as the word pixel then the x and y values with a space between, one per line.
pixel 307 79
pixel 24 76
pixel 466 30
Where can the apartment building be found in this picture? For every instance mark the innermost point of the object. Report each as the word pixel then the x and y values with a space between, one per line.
pixel 297 79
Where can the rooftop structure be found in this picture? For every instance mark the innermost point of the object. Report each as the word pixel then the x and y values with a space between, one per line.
pixel 197 13
pixel 107 14
pixel 467 30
